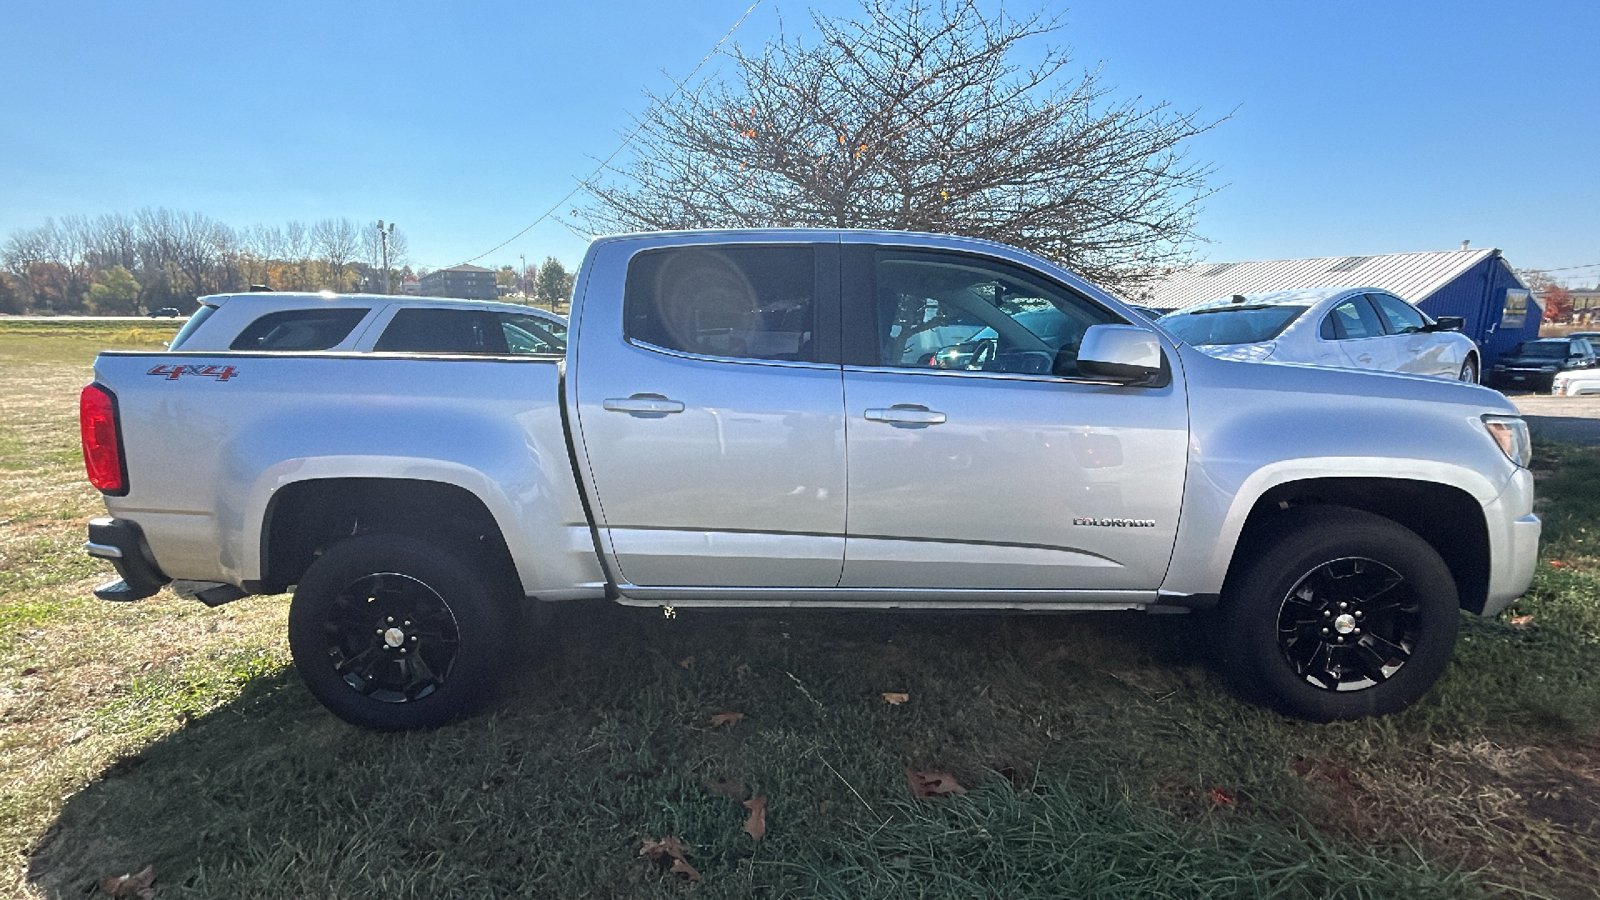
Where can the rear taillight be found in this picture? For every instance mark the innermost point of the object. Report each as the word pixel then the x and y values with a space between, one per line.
pixel 102 445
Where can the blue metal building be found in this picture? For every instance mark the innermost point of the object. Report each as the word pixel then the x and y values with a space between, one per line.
pixel 1477 285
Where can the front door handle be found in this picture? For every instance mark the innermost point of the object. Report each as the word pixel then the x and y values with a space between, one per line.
pixel 906 414
pixel 643 404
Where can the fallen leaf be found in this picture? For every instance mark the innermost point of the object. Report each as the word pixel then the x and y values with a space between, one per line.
pixel 1521 621
pixel 667 846
pixel 680 866
pixel 721 719
pixel 687 662
pixel 894 699
pixel 1221 796
pixel 727 787
pixel 138 885
pixel 927 785
pixel 1557 564
pixel 756 825
pixel 81 734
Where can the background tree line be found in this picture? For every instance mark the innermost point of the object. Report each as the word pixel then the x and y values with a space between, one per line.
pixel 118 264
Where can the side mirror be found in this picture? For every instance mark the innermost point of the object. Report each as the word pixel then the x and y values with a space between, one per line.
pixel 1125 354
pixel 1448 323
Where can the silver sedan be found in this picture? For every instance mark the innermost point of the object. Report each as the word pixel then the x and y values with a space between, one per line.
pixel 1345 327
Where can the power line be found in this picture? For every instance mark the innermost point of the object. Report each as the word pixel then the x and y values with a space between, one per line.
pixel 624 145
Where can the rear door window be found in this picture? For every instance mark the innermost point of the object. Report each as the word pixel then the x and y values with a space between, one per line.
pixel 1352 320
pixel 731 301
pixel 299 329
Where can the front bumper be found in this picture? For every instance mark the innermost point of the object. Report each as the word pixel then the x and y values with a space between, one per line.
pixel 122 543
pixel 1513 542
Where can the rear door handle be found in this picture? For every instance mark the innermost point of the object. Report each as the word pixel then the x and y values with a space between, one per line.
pixel 643 404
pixel 906 414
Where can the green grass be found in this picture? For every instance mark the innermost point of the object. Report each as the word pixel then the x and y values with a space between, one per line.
pixel 1102 757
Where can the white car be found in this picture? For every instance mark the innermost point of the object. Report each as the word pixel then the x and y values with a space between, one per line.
pixel 1573 384
pixel 1346 327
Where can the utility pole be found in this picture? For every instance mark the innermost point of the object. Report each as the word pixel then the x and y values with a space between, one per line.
pixel 522 276
pixel 383 238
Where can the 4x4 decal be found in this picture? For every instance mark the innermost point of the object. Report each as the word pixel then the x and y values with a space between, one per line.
pixel 173 373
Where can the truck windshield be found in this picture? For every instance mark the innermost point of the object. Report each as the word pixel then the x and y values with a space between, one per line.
pixel 1231 325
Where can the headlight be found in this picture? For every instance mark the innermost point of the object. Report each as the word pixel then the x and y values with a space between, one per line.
pixel 1511 433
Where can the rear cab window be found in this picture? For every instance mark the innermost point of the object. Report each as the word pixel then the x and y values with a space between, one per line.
pixel 297 329
pixel 728 302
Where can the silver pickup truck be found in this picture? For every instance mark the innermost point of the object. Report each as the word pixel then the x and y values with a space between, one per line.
pixel 800 419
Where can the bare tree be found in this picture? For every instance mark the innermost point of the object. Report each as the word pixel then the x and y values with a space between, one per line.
pixel 337 241
pixel 915 115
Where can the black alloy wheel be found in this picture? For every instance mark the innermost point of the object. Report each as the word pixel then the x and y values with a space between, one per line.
pixel 391 637
pixel 394 632
pixel 1338 614
pixel 1349 624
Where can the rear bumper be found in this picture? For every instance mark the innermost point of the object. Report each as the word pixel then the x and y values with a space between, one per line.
pixel 122 543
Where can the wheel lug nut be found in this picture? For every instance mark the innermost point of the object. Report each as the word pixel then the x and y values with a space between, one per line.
pixel 1324 631
pixel 380 631
pixel 1358 613
pixel 1341 638
pixel 390 620
pixel 1341 606
pixel 402 649
pixel 1326 613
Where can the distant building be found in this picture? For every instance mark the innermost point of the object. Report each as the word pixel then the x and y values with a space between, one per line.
pixel 411 285
pixel 464 281
pixel 1478 285
pixel 1585 305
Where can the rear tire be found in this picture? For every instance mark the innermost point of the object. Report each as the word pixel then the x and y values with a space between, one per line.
pixel 1343 614
pixel 393 632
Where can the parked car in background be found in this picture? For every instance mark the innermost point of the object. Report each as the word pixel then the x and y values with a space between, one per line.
pixel 1533 365
pixel 165 312
pixel 379 323
pixel 1345 327
pixel 1576 383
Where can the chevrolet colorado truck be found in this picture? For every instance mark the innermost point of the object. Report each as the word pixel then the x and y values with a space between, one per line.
pixel 786 418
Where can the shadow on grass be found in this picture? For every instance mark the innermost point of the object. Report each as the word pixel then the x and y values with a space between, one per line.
pixel 1101 758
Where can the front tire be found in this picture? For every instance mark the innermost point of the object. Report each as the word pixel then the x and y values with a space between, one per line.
pixel 1469 370
pixel 1344 614
pixel 392 632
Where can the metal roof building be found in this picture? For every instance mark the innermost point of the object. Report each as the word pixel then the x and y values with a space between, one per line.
pixel 1477 285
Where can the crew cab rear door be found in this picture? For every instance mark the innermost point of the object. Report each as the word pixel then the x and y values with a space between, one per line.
pixel 709 411
pixel 1010 472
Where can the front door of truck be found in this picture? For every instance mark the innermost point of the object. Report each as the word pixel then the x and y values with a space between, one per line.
pixel 708 395
pixel 990 464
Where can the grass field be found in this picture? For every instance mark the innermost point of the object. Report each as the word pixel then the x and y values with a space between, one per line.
pixel 1100 756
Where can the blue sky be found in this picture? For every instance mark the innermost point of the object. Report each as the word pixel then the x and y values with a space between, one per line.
pixel 1357 127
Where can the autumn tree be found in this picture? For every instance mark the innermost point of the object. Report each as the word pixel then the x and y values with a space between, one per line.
pixel 115 294
pixel 1557 303
pixel 919 115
